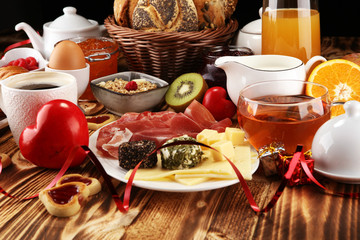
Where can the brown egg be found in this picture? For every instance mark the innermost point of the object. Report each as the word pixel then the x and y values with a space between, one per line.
pixel 67 55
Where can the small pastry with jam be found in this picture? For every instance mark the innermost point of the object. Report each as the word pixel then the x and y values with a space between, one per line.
pixel 93 184
pixel 65 200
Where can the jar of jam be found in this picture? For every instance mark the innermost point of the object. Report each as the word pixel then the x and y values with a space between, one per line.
pixel 216 76
pixel 102 54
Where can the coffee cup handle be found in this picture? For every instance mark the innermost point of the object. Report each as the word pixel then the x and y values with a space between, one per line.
pixel 313 60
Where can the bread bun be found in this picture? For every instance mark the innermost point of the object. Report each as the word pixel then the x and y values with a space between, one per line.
pixel 214 13
pixel 173 15
pixel 8 71
pixel 123 11
pixel 165 15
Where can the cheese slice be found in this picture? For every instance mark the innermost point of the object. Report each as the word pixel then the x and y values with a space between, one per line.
pixel 243 161
pixel 207 170
pixel 190 181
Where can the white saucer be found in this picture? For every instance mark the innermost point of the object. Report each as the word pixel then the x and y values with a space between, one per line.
pixel 339 178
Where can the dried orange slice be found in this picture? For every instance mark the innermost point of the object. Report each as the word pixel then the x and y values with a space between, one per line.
pixel 341 77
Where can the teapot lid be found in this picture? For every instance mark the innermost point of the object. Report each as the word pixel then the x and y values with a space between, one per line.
pixel 70 20
pixel 253 27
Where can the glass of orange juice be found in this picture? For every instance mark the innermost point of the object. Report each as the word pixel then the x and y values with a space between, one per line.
pixel 292 28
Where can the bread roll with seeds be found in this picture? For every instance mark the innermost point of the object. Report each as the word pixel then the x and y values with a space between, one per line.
pixel 165 15
pixel 173 15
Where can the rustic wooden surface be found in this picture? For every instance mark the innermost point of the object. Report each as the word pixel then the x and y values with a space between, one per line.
pixel 301 213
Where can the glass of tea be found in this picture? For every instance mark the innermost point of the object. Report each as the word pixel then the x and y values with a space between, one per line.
pixel 283 112
pixel 292 28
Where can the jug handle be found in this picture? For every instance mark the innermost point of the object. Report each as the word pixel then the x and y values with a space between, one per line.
pixel 313 60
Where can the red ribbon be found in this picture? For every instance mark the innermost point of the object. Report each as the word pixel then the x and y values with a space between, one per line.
pixel 53 182
pixel 124 206
pixel 18 44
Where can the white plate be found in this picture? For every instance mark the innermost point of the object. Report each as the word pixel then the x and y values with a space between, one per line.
pixel 339 178
pixel 113 169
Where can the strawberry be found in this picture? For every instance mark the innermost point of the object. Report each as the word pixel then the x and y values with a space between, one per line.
pixel 131 86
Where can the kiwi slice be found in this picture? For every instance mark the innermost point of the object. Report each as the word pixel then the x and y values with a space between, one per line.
pixel 184 90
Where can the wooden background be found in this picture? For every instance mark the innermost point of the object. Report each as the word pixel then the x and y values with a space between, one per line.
pixel 302 212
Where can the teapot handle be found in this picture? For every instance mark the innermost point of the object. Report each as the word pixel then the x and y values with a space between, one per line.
pixel 313 60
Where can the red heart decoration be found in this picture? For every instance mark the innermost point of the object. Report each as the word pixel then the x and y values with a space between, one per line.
pixel 215 100
pixel 60 126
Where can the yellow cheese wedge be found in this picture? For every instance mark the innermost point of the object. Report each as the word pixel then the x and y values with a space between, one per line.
pixel 235 135
pixel 225 148
pixel 205 134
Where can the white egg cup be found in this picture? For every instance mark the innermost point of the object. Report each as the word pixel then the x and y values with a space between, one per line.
pixel 82 76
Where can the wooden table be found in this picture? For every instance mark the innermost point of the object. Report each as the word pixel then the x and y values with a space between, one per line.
pixel 303 212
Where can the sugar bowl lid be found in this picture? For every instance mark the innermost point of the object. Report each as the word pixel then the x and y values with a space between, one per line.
pixel 70 20
pixel 335 147
pixel 253 27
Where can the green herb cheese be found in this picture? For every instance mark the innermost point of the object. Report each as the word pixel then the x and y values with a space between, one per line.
pixel 182 156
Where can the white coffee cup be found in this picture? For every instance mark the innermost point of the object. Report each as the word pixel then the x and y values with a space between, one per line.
pixel 22 95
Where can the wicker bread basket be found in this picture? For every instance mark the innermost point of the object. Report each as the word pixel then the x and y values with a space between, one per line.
pixel 167 55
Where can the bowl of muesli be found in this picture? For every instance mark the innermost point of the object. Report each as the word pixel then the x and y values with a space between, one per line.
pixel 129 92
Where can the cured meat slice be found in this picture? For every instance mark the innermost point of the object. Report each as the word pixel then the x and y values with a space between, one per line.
pixel 159 136
pixel 120 136
pixel 200 114
pixel 221 125
pixel 181 123
pixel 160 126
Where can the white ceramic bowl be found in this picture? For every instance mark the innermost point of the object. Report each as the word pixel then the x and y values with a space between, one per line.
pixel 17 53
pixel 82 76
pixel 250 36
pixel 119 103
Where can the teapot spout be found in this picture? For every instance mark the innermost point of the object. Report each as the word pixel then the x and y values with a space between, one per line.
pixel 36 40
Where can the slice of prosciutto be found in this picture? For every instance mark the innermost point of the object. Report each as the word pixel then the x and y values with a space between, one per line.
pixel 157 126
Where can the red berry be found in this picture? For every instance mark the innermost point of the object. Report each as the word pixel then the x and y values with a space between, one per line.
pixel 131 86
pixel 32 62
pixel 22 63
pixel 10 63
pixel 29 63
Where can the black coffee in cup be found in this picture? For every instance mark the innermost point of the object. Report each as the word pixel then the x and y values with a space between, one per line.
pixel 38 86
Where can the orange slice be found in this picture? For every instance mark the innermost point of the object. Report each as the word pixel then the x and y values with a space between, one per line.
pixel 341 77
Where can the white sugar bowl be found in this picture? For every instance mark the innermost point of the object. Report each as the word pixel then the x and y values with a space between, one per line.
pixel 336 146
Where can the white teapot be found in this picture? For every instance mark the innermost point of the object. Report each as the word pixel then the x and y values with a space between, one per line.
pixel 336 146
pixel 67 26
